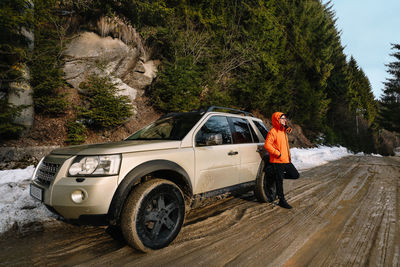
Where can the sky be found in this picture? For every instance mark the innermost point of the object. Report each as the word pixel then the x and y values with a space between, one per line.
pixel 18 207
pixel 369 27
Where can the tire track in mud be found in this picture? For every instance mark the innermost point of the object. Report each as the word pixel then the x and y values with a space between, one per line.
pixel 375 220
pixel 57 244
pixel 318 247
pixel 364 216
pixel 307 219
pixel 345 213
pixel 79 246
pixel 68 248
pixel 257 217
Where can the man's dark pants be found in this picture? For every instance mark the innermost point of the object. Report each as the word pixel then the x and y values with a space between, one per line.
pixel 283 171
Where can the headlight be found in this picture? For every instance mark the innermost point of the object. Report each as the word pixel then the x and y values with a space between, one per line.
pixel 95 165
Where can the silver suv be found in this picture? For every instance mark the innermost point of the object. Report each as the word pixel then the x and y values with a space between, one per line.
pixel 146 183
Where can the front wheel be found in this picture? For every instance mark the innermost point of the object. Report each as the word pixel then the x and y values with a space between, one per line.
pixel 265 190
pixel 153 215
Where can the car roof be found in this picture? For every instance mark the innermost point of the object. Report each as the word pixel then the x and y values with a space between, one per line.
pixel 216 110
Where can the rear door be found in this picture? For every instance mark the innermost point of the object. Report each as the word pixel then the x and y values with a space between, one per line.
pixel 247 143
pixel 216 163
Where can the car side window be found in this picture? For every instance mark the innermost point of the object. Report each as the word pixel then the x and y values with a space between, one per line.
pixel 242 133
pixel 215 131
pixel 253 133
pixel 262 128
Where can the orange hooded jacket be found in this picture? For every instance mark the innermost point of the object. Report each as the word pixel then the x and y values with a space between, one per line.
pixel 277 141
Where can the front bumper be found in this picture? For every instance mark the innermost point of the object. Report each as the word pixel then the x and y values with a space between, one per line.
pixel 57 194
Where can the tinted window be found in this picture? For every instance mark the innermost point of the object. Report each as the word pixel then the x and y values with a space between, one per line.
pixel 241 131
pixel 169 127
pixel 216 128
pixel 262 128
pixel 253 133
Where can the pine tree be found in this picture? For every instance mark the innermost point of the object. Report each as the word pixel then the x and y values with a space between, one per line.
pixel 15 23
pixel 390 101
pixel 46 80
pixel 361 98
pixel 15 20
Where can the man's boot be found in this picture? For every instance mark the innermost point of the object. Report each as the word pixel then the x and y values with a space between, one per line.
pixel 284 204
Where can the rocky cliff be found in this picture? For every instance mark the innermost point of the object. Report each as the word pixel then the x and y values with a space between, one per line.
pixel 113 48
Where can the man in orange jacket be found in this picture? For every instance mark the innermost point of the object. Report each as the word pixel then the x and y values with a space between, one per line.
pixel 279 155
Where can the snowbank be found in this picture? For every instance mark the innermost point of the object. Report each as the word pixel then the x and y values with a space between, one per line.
pixel 17 206
pixel 306 158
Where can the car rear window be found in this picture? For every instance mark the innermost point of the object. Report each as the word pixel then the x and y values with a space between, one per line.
pixel 242 132
pixel 261 127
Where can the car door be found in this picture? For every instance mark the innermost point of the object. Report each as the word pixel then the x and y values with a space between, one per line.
pixel 248 145
pixel 216 159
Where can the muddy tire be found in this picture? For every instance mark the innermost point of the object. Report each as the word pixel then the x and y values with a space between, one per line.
pixel 265 190
pixel 153 215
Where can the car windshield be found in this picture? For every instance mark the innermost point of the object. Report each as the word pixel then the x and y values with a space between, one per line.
pixel 169 127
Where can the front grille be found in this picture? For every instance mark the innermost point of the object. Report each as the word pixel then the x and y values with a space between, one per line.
pixel 47 172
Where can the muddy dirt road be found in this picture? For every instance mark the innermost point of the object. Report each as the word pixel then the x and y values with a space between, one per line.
pixel 346 213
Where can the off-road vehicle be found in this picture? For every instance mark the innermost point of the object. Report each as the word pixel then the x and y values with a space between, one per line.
pixel 146 183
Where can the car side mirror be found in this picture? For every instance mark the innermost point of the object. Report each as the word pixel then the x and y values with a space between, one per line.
pixel 214 139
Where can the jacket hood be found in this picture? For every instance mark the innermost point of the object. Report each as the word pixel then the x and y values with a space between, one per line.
pixel 275 120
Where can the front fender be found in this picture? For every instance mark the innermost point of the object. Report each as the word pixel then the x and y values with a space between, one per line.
pixel 133 178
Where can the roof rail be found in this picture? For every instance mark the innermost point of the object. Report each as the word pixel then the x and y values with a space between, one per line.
pixel 231 110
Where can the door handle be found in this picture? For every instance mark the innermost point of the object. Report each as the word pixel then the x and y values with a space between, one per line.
pixel 232 153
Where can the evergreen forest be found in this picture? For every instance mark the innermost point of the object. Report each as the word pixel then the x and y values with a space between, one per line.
pixel 260 56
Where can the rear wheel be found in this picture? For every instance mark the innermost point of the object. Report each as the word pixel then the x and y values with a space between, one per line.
pixel 153 215
pixel 265 190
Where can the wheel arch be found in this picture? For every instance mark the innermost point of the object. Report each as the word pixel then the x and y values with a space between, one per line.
pixel 263 164
pixel 164 169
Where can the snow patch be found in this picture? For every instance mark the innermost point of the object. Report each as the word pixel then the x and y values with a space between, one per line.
pixel 306 158
pixel 16 204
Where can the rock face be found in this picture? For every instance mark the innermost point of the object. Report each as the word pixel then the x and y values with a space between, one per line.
pixel 21 94
pixel 90 54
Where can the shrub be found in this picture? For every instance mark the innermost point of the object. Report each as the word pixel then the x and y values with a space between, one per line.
pixel 53 105
pixel 76 133
pixel 104 108
pixel 178 86
pixel 8 112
